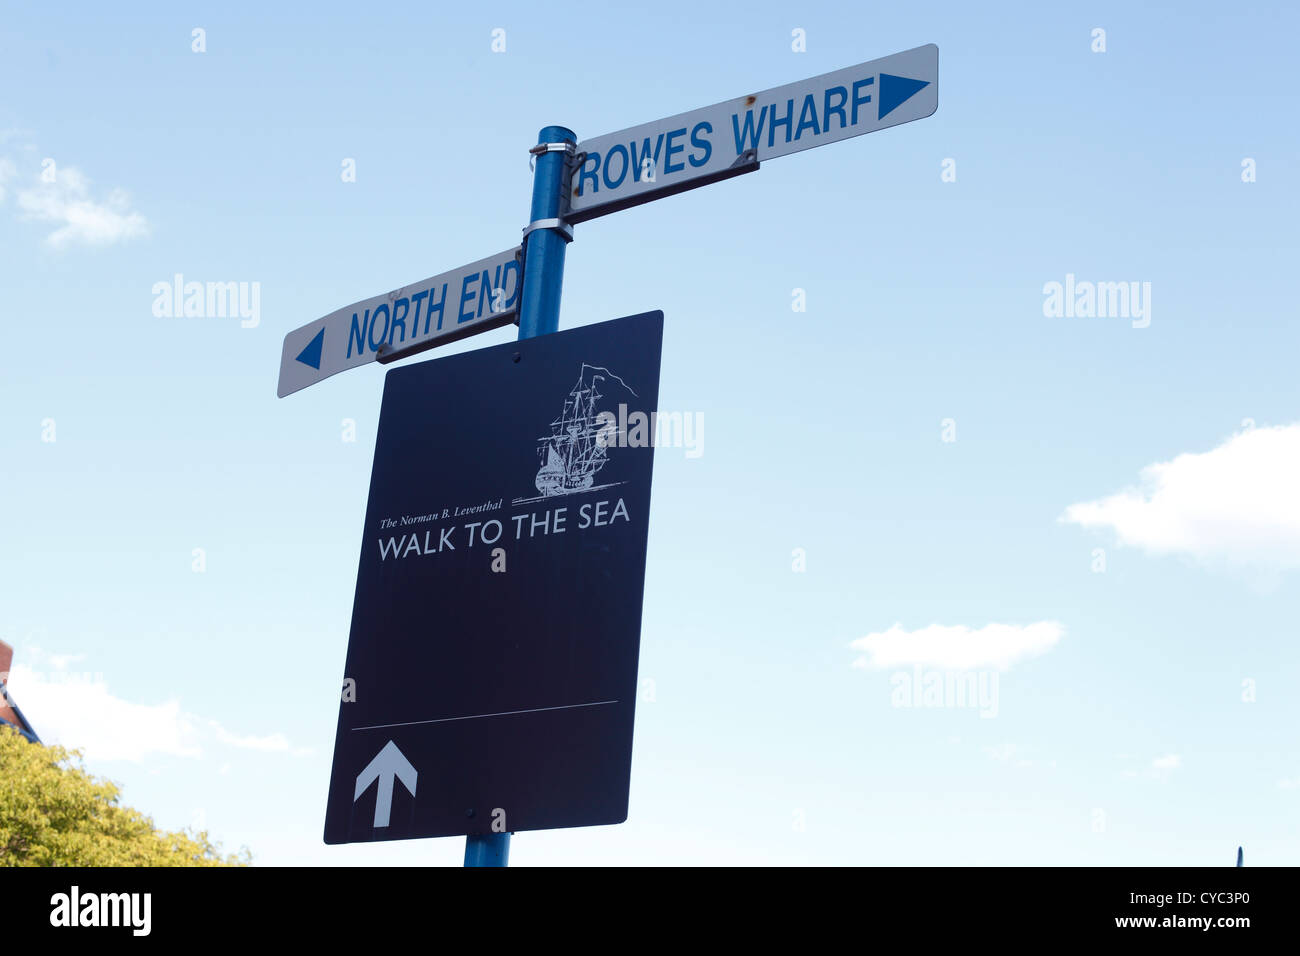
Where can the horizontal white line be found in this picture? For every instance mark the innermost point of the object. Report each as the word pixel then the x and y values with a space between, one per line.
pixel 504 713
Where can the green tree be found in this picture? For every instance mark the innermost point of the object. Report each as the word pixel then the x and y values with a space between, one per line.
pixel 54 813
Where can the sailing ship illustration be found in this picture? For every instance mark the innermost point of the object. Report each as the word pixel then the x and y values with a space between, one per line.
pixel 574 452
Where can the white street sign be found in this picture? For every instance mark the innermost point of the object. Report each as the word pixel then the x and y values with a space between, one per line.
pixel 478 297
pixel 706 145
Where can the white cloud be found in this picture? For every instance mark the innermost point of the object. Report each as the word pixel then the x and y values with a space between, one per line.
pixel 67 203
pixel 270 743
pixel 7 172
pixel 1010 754
pixel 1159 768
pixel 60 662
pixel 1235 503
pixel 957 647
pixel 77 710
pixel 1002 753
pixel 1289 783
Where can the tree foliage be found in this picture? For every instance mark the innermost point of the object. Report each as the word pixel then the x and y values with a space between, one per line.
pixel 54 813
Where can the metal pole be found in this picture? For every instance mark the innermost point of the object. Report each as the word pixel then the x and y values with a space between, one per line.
pixel 539 314
pixel 491 849
pixel 539 305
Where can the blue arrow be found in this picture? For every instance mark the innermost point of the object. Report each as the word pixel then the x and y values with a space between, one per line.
pixel 897 90
pixel 311 354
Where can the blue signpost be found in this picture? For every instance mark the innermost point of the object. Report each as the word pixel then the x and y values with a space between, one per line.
pixel 547 235
pixel 572 183
pixel 539 314
pixel 491 849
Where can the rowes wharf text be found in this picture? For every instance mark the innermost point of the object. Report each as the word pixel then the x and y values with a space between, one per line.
pixel 530 524
pixel 672 152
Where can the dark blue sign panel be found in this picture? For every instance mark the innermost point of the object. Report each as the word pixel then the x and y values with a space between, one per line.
pixel 491 671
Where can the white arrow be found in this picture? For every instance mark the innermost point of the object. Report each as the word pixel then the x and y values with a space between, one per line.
pixel 388 763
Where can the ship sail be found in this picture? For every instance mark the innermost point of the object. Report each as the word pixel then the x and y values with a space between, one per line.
pixel 573 453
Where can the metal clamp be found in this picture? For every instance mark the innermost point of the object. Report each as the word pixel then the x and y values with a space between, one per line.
pixel 519 258
pixel 559 225
pixel 542 149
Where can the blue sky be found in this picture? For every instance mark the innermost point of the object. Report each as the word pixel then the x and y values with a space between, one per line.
pixel 1123 737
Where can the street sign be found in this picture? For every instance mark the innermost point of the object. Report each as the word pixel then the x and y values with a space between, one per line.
pixel 717 142
pixel 490 683
pixel 475 298
pixel 491 670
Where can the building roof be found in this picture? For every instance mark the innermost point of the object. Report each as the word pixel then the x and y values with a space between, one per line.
pixel 10 715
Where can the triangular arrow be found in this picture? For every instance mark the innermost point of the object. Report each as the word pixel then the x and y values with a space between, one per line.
pixel 388 763
pixel 897 90
pixel 311 354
